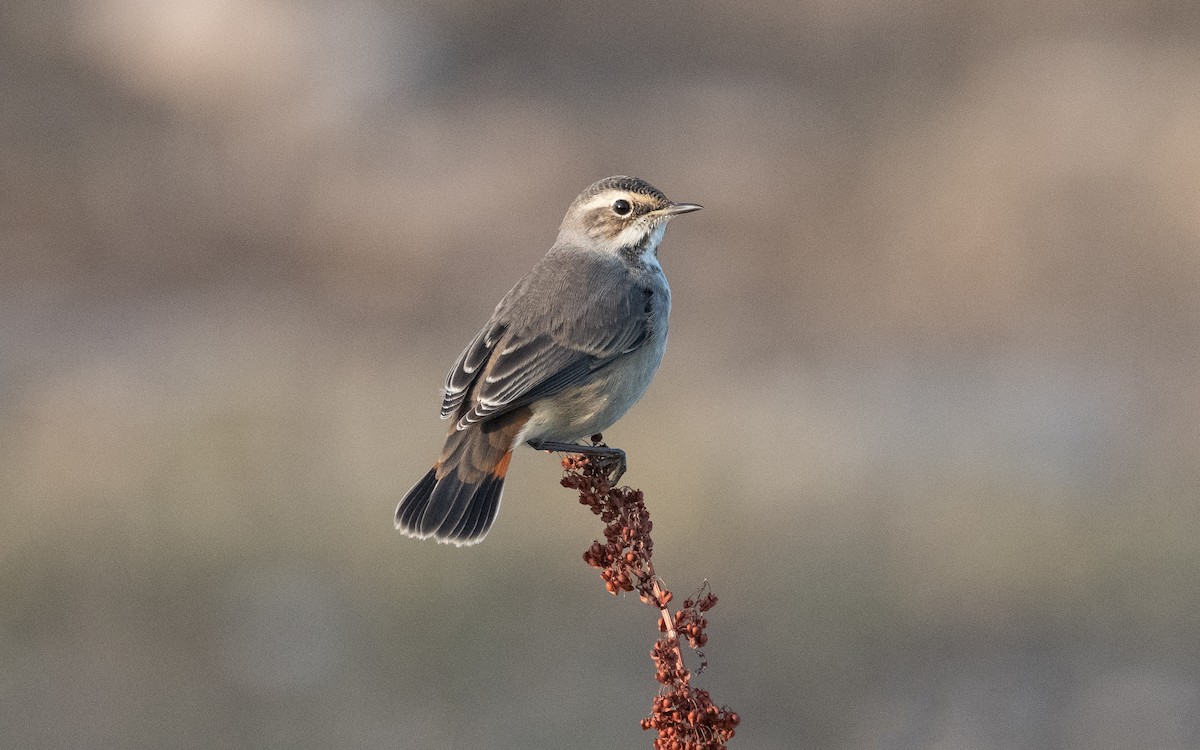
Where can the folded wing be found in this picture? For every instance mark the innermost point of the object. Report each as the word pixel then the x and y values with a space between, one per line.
pixel 529 351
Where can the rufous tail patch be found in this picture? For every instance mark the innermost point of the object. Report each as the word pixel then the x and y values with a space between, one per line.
pixel 502 466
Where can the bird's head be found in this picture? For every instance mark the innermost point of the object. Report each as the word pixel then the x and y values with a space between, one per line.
pixel 622 215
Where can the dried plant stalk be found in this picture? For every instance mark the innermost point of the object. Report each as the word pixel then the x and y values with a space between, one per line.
pixel 684 716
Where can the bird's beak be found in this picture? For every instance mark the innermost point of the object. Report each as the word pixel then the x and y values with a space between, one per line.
pixel 677 208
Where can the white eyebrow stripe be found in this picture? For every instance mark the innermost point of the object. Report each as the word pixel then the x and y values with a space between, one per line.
pixel 607 198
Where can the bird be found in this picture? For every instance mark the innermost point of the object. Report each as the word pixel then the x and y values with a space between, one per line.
pixel 571 347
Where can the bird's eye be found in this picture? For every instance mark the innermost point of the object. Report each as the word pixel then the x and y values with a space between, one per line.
pixel 622 207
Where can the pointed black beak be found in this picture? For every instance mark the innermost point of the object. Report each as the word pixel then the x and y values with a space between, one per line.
pixel 678 208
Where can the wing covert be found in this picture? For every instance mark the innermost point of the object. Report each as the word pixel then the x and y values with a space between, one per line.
pixel 535 345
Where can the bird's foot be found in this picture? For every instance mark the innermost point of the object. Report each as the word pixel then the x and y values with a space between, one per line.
pixel 611 460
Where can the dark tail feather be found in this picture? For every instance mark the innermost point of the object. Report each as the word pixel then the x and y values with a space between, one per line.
pixel 476 522
pixel 457 499
pixel 409 511
pixel 450 509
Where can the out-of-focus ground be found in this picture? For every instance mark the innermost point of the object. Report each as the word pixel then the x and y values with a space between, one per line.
pixel 928 420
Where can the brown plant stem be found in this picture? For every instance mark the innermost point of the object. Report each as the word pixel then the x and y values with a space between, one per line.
pixel 683 716
pixel 668 620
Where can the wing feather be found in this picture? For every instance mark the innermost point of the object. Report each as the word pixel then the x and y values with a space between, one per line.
pixel 534 346
pixel 470 363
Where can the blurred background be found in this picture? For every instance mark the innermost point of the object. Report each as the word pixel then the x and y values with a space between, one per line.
pixel 928 421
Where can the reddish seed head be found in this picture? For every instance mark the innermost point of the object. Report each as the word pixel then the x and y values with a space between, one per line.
pixel 684 717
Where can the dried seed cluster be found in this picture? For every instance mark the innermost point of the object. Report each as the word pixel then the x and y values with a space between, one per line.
pixel 624 558
pixel 690 619
pixel 684 717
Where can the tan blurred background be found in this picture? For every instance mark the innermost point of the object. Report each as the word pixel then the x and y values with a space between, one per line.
pixel 928 420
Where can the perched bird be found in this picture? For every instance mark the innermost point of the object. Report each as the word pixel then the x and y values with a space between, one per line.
pixel 565 354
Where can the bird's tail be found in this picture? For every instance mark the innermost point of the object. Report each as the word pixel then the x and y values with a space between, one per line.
pixel 457 500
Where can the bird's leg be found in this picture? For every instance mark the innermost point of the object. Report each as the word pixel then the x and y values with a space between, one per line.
pixel 614 457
